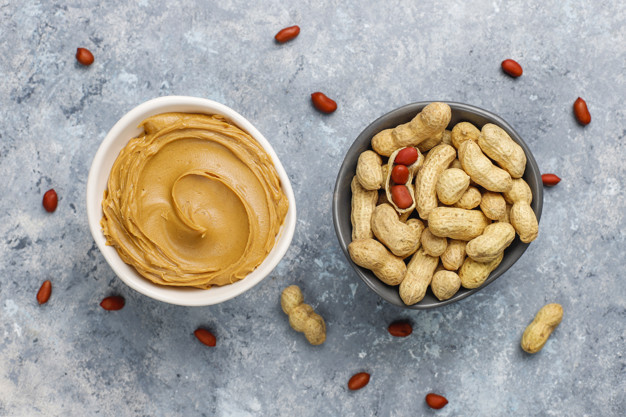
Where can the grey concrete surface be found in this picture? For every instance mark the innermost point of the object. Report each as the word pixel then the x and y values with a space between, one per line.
pixel 70 357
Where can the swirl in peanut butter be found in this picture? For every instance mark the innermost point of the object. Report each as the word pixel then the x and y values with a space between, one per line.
pixel 193 201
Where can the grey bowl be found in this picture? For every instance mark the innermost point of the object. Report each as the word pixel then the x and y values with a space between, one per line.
pixel 342 196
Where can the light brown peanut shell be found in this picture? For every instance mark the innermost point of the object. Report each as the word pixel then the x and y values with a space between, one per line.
pixel 302 318
pixel 537 333
pixel 445 284
pixel 402 239
pixel 435 162
pixel 462 132
pixel 451 185
pixel 454 255
pixel 363 203
pixel 470 199
pixel 373 255
pixel 431 121
pixel 482 170
pixel 430 143
pixel 493 205
pixel 495 239
pixel 520 192
pixel 418 276
pixel 446 137
pixel 473 274
pixel 457 223
pixel 433 245
pixel 524 221
pixel 499 146
pixel 369 170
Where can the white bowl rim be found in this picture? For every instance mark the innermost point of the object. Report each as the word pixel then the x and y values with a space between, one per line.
pixel 179 295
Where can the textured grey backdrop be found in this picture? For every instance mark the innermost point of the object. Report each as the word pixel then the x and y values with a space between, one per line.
pixel 70 357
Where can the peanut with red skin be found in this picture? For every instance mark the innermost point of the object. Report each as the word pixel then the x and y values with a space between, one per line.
pixel 406 156
pixel 512 68
pixel 43 295
pixel 113 303
pixel 550 180
pixel 205 337
pixel 358 381
pixel 400 329
pixel 323 103
pixel 287 34
pixel 400 174
pixel 436 401
pixel 582 112
pixel 50 200
pixel 401 196
pixel 84 56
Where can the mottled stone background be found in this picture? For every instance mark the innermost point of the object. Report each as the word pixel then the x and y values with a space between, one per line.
pixel 70 357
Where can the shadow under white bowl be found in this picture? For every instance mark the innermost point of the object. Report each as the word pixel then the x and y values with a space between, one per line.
pixel 126 129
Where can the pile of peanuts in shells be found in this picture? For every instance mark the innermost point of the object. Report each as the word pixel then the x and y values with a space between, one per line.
pixel 447 201
pixel 430 207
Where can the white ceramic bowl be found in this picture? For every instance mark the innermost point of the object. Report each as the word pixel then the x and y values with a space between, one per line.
pixel 116 139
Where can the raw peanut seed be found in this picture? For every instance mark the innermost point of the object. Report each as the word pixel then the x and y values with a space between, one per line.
pixel 43 295
pixel 582 112
pixel 323 103
pixel 550 180
pixel 400 174
pixel 436 401
pixel 401 196
pixel 50 200
pixel 512 68
pixel 205 336
pixel 84 56
pixel 358 381
pixel 112 303
pixel 400 329
pixel 287 34
pixel 406 156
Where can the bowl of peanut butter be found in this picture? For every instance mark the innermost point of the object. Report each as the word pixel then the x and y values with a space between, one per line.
pixel 188 201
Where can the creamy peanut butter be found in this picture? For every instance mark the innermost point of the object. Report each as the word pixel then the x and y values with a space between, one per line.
pixel 193 201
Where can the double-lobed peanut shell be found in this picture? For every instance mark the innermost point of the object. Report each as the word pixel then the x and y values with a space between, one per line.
pixel 445 284
pixel 373 255
pixel 454 255
pixel 451 185
pixel 369 170
pixel 402 239
pixel 480 168
pixel 419 273
pixel 457 223
pixel 435 162
pixel 499 146
pixel 495 239
pixel 537 333
pixel 473 274
pixel 363 204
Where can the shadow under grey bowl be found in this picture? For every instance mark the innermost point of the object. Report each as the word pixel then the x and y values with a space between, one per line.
pixel 342 195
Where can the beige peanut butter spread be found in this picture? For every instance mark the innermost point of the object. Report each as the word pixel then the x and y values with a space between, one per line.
pixel 193 201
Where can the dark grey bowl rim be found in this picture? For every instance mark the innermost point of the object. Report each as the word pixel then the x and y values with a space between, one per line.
pixel 532 176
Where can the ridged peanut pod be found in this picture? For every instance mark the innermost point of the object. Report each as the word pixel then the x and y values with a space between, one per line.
pixel 482 170
pixel 537 333
pixel 369 170
pixel 363 203
pixel 520 192
pixel 433 245
pixel 454 255
pixel 462 132
pixel 498 145
pixel 413 168
pixel 524 221
pixel 419 273
pixel 373 255
pixel 494 240
pixel 473 274
pixel 431 121
pixel 402 239
pixel 456 223
pixel 451 185
pixel 430 143
pixel 302 318
pixel 470 199
pixel 436 161
pixel 445 284
pixel 493 205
